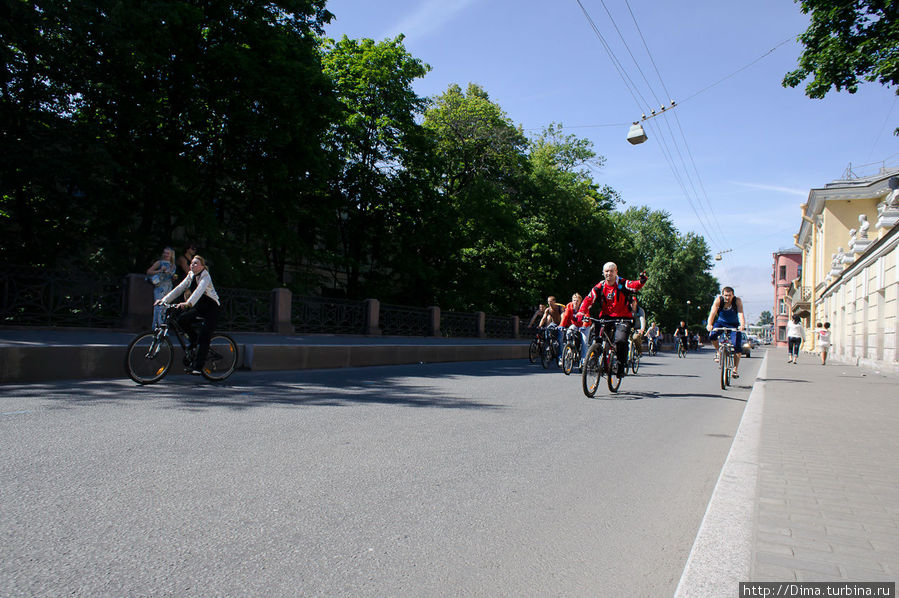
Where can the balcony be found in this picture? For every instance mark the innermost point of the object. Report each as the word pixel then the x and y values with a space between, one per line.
pixel 800 298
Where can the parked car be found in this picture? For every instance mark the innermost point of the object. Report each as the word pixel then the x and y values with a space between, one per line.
pixel 747 345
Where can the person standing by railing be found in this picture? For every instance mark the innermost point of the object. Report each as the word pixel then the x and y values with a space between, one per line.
pixel 161 274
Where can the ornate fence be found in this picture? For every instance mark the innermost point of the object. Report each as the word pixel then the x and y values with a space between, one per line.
pixel 335 316
pixel 403 321
pixel 244 310
pixel 33 297
pixel 458 324
pixel 40 297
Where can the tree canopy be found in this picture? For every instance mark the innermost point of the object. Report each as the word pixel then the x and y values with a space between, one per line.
pixel 846 42
pixel 295 160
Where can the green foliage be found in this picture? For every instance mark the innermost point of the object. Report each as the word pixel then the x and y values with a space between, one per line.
pixel 845 42
pixel 765 318
pixel 296 160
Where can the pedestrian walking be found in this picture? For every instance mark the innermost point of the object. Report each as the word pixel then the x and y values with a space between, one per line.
pixel 795 334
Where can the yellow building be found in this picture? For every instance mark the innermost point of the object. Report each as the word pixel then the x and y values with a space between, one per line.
pixel 848 238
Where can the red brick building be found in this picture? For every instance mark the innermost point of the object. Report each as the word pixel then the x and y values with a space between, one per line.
pixel 786 270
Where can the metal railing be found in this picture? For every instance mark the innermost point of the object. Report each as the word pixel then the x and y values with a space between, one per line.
pixel 403 321
pixel 458 324
pixel 41 297
pixel 244 310
pixel 322 315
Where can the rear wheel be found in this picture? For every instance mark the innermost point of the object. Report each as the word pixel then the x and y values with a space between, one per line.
pixel 534 351
pixel 612 378
pixel 148 358
pixel 222 358
pixel 592 372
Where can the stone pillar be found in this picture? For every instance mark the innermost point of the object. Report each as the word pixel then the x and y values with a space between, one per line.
pixel 515 324
pixel 433 321
pixel 281 311
pixel 482 324
pixel 372 317
pixel 137 312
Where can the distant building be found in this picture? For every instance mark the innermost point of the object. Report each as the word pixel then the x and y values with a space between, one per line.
pixel 849 236
pixel 786 270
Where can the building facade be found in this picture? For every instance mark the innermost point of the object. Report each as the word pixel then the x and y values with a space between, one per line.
pixel 848 238
pixel 786 270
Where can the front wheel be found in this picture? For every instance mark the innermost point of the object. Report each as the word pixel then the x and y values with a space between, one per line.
pixel 722 364
pixel 635 362
pixel 148 358
pixel 222 358
pixel 568 358
pixel 533 352
pixel 612 377
pixel 730 367
pixel 681 350
pixel 592 372
pixel 546 354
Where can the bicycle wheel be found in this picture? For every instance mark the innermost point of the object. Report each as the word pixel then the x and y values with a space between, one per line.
pixel 533 352
pixel 546 354
pixel 148 358
pixel 568 358
pixel 222 358
pixel 592 371
pixel 612 378
pixel 681 350
pixel 722 365
pixel 730 366
pixel 635 363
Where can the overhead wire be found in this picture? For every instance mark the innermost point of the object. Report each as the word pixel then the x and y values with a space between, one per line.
pixel 669 154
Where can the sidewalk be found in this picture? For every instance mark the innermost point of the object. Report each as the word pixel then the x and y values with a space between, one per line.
pixel 37 355
pixel 810 490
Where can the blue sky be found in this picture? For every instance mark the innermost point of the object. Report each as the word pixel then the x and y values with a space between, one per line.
pixel 746 150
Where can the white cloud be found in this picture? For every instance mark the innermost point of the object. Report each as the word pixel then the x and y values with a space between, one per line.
pixel 429 17
pixel 775 188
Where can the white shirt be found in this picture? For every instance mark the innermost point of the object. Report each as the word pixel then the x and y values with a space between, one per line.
pixel 204 287
pixel 795 330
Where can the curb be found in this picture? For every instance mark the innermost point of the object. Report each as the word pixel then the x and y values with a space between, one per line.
pixel 721 556
pixel 23 364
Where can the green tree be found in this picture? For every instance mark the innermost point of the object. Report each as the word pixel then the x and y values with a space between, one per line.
pixel 374 145
pixel 846 42
pixel 481 165
pixel 765 318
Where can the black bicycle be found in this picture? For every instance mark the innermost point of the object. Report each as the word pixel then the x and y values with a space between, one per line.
pixel 571 353
pixel 536 346
pixel 150 355
pixel 602 359
pixel 549 353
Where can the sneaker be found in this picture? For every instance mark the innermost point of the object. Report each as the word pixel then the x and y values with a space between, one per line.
pixel 193 372
pixel 734 375
pixel 621 370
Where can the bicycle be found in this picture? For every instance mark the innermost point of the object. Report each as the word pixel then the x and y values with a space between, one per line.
pixel 601 359
pixel 725 355
pixel 550 352
pixel 150 354
pixel 572 350
pixel 536 346
pixel 653 346
pixel 633 356
pixel 681 347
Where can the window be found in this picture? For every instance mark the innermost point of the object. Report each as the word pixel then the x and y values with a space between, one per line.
pixel 783 273
pixel 782 307
pixel 781 333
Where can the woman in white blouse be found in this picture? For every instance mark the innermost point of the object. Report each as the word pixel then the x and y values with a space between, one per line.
pixel 203 301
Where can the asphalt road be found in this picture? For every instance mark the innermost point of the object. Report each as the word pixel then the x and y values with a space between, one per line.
pixel 462 479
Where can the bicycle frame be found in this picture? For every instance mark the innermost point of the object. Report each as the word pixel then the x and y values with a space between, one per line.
pixel 725 355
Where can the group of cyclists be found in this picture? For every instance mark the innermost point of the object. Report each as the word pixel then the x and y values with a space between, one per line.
pixel 625 321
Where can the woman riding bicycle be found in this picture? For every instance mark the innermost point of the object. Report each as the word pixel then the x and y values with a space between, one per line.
pixel 727 312
pixel 203 302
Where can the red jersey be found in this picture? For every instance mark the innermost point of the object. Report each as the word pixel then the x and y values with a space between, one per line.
pixel 568 315
pixel 612 300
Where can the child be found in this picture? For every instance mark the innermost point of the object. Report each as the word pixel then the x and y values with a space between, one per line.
pixel 823 335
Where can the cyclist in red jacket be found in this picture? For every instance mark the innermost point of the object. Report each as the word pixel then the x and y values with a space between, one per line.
pixel 612 294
